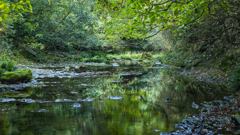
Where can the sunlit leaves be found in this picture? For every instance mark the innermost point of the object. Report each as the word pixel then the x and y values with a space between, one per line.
pixel 10 10
pixel 165 14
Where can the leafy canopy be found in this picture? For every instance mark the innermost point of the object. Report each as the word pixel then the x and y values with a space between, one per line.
pixel 9 10
pixel 125 16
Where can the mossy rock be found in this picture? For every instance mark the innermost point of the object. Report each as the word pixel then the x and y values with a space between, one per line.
pixel 146 56
pixel 19 76
pixel 236 119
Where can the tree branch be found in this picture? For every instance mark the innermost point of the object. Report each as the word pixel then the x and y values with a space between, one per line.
pixel 148 37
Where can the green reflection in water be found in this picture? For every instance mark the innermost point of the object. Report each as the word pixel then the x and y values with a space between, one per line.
pixel 141 112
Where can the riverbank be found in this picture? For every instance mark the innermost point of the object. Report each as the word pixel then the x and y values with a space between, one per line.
pixel 214 117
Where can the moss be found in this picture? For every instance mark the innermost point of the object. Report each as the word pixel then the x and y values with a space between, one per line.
pixel 146 56
pixel 21 75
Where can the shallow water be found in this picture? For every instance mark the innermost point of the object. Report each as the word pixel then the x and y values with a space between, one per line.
pixel 81 105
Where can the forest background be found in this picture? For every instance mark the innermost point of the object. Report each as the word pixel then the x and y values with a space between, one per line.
pixel 184 33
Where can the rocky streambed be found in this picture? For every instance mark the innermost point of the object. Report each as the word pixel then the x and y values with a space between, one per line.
pixel 214 117
pixel 67 70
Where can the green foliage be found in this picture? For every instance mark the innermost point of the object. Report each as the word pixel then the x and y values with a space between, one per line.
pixel 81 59
pixel 2 71
pixel 8 65
pixel 9 10
pixel 98 60
pixel 235 79
pixel 98 53
pixel 112 57
pixel 4 57
pixel 199 24
pixel 125 57
pixel 64 25
pixel 126 16
pixel 146 56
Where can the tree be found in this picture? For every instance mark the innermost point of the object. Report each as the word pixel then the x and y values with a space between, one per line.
pixel 61 25
pixel 10 11
pixel 159 15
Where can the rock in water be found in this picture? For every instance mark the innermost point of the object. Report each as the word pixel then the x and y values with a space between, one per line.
pixel 194 105
pixel 236 119
pixel 115 97
pixel 167 99
pixel 19 76
pixel 115 65
pixel 76 105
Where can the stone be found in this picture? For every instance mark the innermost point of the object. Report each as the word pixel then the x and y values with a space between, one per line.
pixel 236 119
pixel 19 76
pixel 115 97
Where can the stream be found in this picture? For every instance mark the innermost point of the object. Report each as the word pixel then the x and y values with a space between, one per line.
pixel 124 98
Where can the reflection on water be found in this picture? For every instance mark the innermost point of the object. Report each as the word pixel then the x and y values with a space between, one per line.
pixel 79 106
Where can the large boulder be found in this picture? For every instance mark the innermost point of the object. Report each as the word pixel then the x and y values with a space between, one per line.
pixel 19 76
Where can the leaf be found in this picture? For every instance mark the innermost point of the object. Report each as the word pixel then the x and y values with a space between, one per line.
pixel 20 7
pixel 2 6
pixel 153 19
pixel 5 17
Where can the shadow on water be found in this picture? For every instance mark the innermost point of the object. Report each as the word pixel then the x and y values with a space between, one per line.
pixel 48 109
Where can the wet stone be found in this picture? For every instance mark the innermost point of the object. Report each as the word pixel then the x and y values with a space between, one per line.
pixel 7 99
pixel 115 97
pixel 236 119
pixel 86 100
pixel 194 105
pixel 76 105
pixel 43 110
pixel 208 106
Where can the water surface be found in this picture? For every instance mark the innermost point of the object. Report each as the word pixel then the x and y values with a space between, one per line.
pixel 49 109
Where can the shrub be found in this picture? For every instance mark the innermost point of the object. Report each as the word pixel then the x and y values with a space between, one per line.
pixel 81 59
pixel 146 56
pixel 98 60
pixel 8 65
pixel 112 57
pixel 2 71
pixel 96 53
pixel 125 57
pixel 235 79
pixel 4 65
